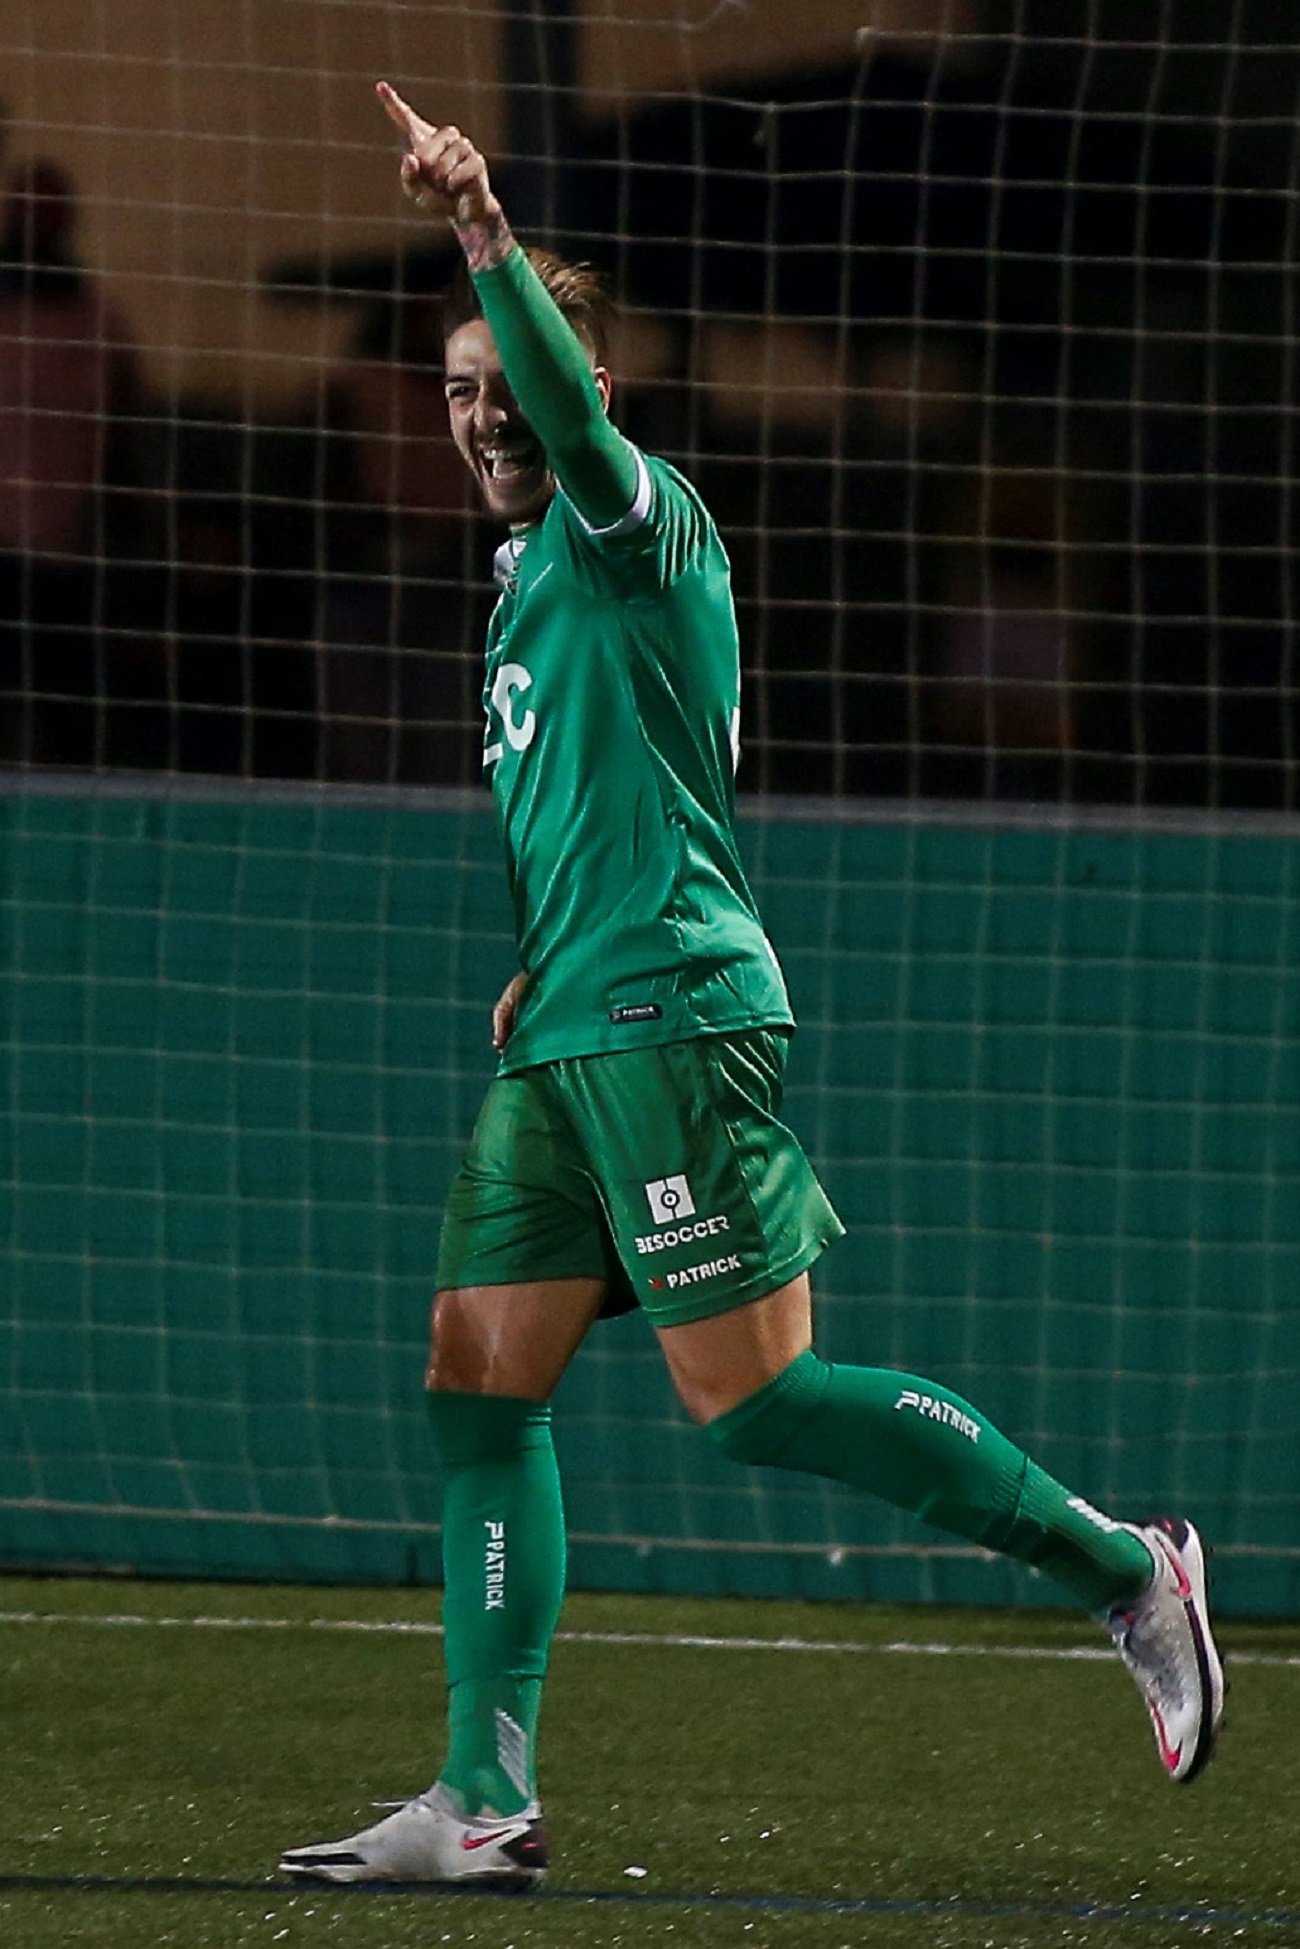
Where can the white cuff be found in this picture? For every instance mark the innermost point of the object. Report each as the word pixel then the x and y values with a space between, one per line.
pixel 635 515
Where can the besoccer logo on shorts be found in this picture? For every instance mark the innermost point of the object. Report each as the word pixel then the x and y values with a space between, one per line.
pixel 670 1199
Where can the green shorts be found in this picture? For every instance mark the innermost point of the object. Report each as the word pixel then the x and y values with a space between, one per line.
pixel 664 1171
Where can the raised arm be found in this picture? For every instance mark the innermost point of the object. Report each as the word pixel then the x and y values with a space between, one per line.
pixel 546 364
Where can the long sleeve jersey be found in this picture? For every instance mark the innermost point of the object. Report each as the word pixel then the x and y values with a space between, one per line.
pixel 612 697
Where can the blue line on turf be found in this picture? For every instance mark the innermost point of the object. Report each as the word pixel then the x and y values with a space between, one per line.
pixel 1127 1912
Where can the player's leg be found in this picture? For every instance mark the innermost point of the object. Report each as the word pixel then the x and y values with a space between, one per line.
pixel 524 1263
pixel 750 1374
pixel 718 1216
pixel 497 1353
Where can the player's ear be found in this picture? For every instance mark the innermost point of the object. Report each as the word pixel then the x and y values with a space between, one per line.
pixel 604 384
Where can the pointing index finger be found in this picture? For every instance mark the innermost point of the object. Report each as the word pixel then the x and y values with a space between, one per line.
pixel 397 111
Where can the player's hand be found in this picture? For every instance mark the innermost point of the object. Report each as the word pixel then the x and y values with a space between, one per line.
pixel 503 1015
pixel 441 170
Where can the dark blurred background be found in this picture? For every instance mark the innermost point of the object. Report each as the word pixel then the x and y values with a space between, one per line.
pixel 974 324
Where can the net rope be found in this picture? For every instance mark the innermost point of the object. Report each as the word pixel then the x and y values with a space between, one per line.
pixel 975 327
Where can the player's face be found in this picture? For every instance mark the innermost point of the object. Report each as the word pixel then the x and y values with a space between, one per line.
pixel 495 440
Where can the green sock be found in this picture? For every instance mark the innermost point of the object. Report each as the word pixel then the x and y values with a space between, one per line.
pixel 503 1570
pixel 927 1450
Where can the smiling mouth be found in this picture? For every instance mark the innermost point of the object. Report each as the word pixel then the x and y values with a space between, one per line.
pixel 508 465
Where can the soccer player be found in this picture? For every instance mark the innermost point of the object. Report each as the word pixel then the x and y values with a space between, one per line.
pixel 630 1148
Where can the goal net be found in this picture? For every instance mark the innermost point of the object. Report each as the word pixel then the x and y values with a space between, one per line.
pixel 973 322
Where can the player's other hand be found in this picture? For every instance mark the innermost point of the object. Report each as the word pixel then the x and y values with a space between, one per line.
pixel 441 170
pixel 503 1015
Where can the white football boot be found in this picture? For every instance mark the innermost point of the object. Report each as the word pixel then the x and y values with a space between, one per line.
pixel 428 1840
pixel 1164 1638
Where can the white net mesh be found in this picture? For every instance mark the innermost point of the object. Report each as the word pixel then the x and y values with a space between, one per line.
pixel 974 326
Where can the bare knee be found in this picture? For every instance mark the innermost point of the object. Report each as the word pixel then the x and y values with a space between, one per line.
pixel 717 1363
pixel 459 1360
pixel 515 1340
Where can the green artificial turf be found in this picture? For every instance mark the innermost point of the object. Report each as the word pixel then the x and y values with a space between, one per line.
pixel 153 1771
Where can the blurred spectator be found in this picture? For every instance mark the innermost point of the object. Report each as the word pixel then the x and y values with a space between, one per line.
pixel 69 387
pixel 400 668
pixel 1002 703
pixel 191 683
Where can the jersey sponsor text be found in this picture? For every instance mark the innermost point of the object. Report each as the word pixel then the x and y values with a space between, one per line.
pixel 650 1242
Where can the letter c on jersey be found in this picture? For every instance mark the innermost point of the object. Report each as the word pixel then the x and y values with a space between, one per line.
pixel 510 680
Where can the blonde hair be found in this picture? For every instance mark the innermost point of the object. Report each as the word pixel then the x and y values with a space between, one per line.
pixel 576 289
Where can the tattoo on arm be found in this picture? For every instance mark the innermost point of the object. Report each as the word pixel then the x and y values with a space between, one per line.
pixel 486 241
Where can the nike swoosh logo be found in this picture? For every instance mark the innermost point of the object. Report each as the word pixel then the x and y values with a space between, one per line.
pixel 471 1841
pixel 1169 1754
pixel 1176 1565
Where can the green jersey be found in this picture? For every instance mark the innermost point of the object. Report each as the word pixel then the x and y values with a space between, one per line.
pixel 613 701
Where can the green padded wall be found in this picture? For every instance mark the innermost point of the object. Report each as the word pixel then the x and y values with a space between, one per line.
pixel 1050 1075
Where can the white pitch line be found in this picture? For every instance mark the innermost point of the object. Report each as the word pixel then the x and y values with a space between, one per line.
pixel 663 1640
